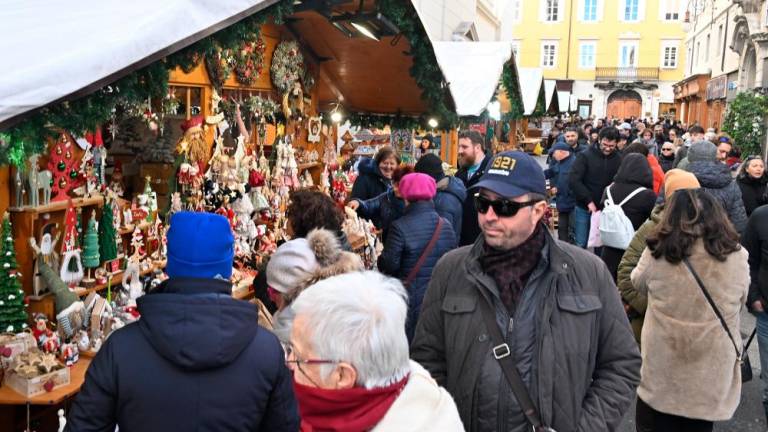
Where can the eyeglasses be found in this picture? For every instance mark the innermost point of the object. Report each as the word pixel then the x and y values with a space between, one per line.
pixel 666 149
pixel 290 352
pixel 502 208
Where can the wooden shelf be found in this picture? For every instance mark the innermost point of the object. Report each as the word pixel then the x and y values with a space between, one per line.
pixel 60 205
pixel 116 280
pixel 306 166
pixel 76 377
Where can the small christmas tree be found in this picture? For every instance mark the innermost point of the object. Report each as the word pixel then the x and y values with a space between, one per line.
pixel 91 246
pixel 107 234
pixel 13 311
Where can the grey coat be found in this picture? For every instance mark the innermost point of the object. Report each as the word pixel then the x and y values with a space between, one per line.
pixel 715 178
pixel 570 336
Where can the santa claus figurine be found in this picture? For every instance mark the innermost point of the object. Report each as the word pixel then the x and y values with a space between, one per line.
pixel 116 182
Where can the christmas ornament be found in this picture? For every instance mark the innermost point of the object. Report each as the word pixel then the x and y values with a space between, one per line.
pixel 91 246
pixel 71 265
pixel 62 165
pixel 249 61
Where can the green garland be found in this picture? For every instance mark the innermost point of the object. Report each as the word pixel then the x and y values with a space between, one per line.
pixel 745 122
pixel 511 86
pixel 89 112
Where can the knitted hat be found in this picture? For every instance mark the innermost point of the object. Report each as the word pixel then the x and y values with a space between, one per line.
pixel 200 245
pixel 562 145
pixel 291 264
pixel 431 165
pixel 417 187
pixel 677 179
pixel 702 151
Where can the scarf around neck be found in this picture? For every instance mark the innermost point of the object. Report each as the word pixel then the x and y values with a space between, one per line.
pixel 510 269
pixel 348 410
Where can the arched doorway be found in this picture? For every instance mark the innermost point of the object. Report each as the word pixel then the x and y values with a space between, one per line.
pixel 624 104
pixel 748 68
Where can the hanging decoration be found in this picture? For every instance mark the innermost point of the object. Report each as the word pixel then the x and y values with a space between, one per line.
pixel 71 265
pixel 287 65
pixel 219 64
pixel 249 61
pixel 64 168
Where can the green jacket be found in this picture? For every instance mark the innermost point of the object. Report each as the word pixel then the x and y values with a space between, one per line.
pixel 638 301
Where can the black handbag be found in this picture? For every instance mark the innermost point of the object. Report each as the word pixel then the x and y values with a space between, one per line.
pixel 741 356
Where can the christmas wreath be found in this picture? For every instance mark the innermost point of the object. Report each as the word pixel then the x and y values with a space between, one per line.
pixel 287 65
pixel 219 66
pixel 249 61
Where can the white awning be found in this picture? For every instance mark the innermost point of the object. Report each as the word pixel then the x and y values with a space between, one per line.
pixel 549 92
pixel 531 80
pixel 574 102
pixel 473 71
pixel 564 100
pixel 55 49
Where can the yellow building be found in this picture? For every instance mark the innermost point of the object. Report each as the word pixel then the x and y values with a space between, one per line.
pixel 615 57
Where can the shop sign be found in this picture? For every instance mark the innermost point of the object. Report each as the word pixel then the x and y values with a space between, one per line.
pixel 717 87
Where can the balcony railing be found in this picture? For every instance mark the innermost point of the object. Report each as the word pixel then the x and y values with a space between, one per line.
pixel 626 74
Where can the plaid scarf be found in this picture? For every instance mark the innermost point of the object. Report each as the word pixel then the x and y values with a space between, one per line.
pixel 512 268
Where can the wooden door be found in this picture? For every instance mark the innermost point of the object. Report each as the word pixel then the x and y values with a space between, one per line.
pixel 624 104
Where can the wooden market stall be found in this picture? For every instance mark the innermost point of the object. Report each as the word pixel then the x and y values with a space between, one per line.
pixel 146 152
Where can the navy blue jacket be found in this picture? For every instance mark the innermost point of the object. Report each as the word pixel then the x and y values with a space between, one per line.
pixel 408 237
pixel 370 183
pixel 449 201
pixel 195 361
pixel 382 210
pixel 559 172
pixel 470 229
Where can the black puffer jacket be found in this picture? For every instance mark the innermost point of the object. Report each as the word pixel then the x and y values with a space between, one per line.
pixel 667 163
pixel 715 178
pixel 408 237
pixel 195 361
pixel 634 173
pixel 449 201
pixel 591 173
pixel 755 241
pixel 753 192
pixel 370 183
pixel 571 341
pixel 470 229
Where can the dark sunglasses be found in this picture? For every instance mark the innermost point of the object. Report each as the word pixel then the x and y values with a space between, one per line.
pixel 666 149
pixel 502 208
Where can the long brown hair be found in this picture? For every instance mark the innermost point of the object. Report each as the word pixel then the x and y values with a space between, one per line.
pixel 693 214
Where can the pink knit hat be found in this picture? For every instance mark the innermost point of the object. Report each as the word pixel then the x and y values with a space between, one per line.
pixel 417 187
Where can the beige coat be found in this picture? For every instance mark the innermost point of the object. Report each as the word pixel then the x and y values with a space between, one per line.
pixel 689 363
pixel 423 406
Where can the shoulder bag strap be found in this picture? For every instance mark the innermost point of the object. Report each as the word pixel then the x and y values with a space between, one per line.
pixel 608 195
pixel 425 254
pixel 503 354
pixel 630 196
pixel 714 307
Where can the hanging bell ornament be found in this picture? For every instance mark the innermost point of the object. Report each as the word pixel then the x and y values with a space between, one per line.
pixel 59 151
pixel 62 183
pixel 68 155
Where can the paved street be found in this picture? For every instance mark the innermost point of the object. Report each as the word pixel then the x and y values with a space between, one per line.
pixel 749 417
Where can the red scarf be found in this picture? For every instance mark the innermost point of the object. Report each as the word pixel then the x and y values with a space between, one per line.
pixel 356 409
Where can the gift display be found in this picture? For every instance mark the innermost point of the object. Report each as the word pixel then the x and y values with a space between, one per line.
pixel 35 372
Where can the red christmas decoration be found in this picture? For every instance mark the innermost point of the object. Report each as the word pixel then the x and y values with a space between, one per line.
pixel 63 168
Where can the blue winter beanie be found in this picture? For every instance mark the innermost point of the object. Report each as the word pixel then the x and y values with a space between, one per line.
pixel 200 245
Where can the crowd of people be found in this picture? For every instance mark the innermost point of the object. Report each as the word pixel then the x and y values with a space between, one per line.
pixel 480 317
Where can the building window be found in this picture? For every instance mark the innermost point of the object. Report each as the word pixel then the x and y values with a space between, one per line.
pixel 587 55
pixel 516 10
pixel 631 10
pixel 628 54
pixel 548 54
pixel 590 10
pixel 719 40
pixel 698 54
pixel 671 11
pixel 516 51
pixel 669 55
pixel 551 10
pixel 706 50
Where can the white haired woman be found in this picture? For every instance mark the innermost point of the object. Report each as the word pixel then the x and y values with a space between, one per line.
pixel 349 356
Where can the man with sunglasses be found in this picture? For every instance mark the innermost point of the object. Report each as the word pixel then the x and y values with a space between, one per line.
pixel 557 315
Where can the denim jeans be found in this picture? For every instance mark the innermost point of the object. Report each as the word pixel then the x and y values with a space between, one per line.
pixel 580 220
pixel 762 342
